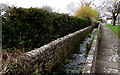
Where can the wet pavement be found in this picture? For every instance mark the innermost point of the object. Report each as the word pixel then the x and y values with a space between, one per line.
pixel 108 60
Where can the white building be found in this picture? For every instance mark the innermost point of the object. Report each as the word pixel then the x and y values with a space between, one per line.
pixel 118 19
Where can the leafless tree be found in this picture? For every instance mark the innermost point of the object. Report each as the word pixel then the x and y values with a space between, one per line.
pixel 112 6
pixel 72 7
pixel 47 8
pixel 86 2
pixel 57 10
pixel 3 7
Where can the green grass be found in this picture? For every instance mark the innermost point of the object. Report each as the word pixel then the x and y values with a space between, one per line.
pixel 115 29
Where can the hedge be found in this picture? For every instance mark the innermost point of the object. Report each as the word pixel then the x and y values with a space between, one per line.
pixel 34 27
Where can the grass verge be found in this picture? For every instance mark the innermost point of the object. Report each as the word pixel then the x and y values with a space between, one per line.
pixel 115 29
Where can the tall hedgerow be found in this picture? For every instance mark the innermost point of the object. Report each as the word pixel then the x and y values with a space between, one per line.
pixel 33 27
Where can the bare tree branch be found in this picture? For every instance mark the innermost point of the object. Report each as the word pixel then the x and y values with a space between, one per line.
pixel 112 6
pixel 47 8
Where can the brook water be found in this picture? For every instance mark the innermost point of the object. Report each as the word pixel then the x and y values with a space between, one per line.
pixel 77 60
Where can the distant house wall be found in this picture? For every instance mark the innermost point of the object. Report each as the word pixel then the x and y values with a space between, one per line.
pixel 118 19
pixel 109 20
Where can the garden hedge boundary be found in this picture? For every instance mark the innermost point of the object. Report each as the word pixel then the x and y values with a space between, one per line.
pixel 34 27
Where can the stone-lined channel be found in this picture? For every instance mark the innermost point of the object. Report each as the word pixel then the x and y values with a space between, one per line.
pixel 76 61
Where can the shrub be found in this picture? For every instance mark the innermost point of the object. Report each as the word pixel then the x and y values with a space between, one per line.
pixel 33 27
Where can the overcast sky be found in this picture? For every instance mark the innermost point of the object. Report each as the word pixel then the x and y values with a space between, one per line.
pixel 60 5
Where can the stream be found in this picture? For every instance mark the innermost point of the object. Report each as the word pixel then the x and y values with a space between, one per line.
pixel 77 60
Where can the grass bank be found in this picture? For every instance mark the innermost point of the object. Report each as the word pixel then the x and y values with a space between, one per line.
pixel 115 29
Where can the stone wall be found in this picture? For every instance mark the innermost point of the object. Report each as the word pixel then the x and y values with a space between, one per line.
pixel 90 63
pixel 48 56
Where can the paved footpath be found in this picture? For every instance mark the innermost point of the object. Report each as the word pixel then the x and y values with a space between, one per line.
pixel 108 60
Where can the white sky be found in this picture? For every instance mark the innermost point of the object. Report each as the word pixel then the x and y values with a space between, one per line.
pixel 57 4
pixel 60 5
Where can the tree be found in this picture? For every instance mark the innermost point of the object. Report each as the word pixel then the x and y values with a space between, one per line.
pixel 112 6
pixel 71 7
pixel 86 2
pixel 47 8
pixel 3 7
pixel 87 12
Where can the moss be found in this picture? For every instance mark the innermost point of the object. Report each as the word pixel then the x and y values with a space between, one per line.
pixel 36 72
pixel 80 72
pixel 66 60
pixel 88 47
